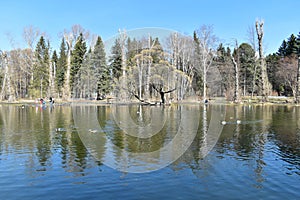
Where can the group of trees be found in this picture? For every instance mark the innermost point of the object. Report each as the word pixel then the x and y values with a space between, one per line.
pixel 283 67
pixel 37 72
pixel 146 69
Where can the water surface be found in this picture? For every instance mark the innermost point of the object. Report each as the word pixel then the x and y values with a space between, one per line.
pixel 258 158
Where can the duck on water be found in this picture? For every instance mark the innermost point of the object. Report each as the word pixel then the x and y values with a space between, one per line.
pixel 235 122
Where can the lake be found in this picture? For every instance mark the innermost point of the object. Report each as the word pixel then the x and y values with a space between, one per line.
pixel 150 152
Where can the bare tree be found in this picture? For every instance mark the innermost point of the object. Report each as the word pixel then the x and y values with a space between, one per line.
pixel 206 42
pixel 162 93
pixel 69 38
pixel 298 77
pixel 287 73
pixel 149 61
pixel 265 90
pixel 253 41
pixel 235 62
pixel 30 35
pixel 182 49
pixel 77 29
pixel 251 37
pixel 123 38
pixel 7 88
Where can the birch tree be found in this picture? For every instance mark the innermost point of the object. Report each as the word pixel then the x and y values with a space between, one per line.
pixel 182 49
pixel 70 37
pixel 7 88
pixel 30 35
pixel 123 81
pixel 205 42
pixel 66 92
pixel 52 72
pixel 19 72
pixel 236 62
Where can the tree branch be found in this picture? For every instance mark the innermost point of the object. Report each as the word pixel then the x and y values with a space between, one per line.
pixel 170 91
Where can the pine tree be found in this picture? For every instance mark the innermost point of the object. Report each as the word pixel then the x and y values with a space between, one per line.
pixel 282 49
pixel 61 67
pixel 116 59
pixel 298 42
pixel 198 79
pixel 248 68
pixel 273 66
pixel 133 47
pixel 292 46
pixel 40 79
pixel 224 64
pixel 157 53
pixel 101 69
pixel 289 47
pixel 86 85
pixel 77 59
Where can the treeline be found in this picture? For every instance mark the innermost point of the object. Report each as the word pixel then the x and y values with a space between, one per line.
pixel 148 68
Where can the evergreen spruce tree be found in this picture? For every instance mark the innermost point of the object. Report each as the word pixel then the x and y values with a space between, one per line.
pixel 61 67
pixel 133 48
pixel 54 58
pixel 248 68
pixel 298 43
pixel 226 69
pixel 116 59
pixel 273 66
pixel 77 59
pixel 292 46
pixel 101 69
pixel 282 49
pixel 86 85
pixel 40 79
pixel 157 54
pixel 198 79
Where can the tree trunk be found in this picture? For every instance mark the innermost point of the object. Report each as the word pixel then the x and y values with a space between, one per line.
pixel 148 75
pixel 6 86
pixel 236 72
pixel 51 79
pixel 264 76
pixel 204 79
pixel 253 82
pixel 123 77
pixel 298 81
pixel 205 41
pixel 140 67
pixel 67 88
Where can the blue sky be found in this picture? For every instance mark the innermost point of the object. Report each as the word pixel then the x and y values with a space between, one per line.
pixel 230 18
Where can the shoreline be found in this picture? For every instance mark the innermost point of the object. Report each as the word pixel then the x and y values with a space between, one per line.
pixel 213 101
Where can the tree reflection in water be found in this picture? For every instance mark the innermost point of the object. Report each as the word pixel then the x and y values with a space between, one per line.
pixel 268 135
